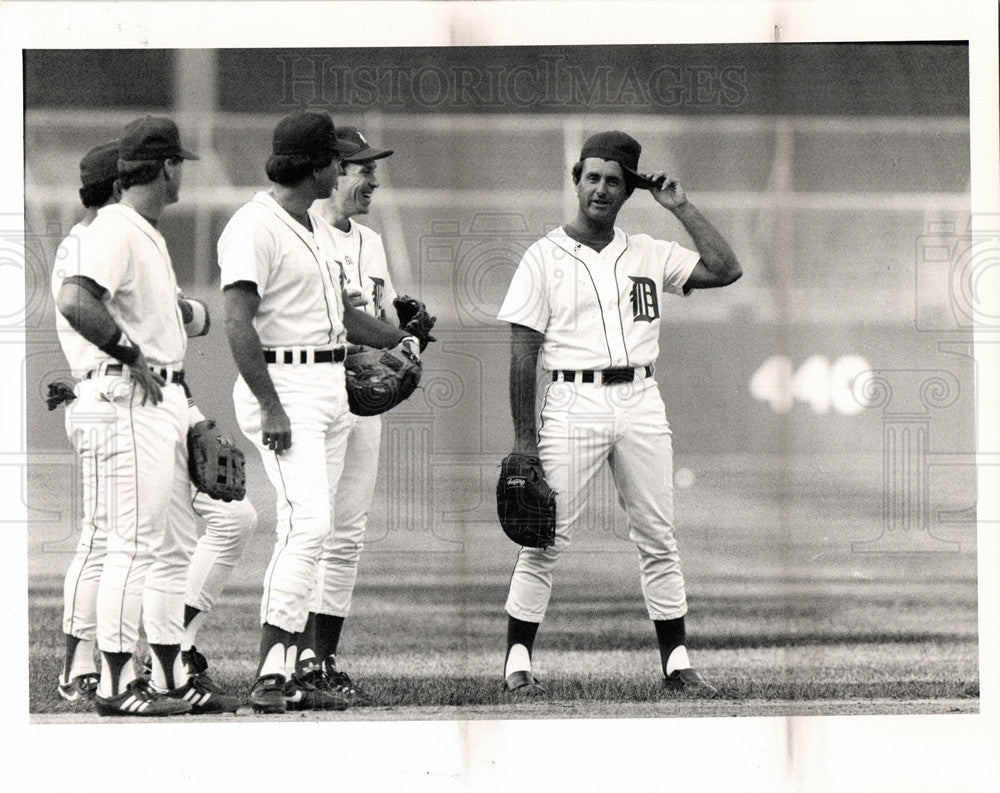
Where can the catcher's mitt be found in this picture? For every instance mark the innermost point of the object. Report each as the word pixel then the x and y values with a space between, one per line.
pixel 414 319
pixel 378 380
pixel 526 504
pixel 216 466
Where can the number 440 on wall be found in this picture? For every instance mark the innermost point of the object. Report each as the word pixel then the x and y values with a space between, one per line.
pixel 824 386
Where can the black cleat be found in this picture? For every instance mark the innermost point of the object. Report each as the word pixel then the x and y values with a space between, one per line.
pixel 340 683
pixel 308 690
pixel 205 699
pixel 523 685
pixel 268 694
pixel 80 689
pixel 139 699
pixel 690 681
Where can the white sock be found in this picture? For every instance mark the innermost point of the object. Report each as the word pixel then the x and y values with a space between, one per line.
pixel 106 687
pixel 158 679
pixel 291 656
pixel 678 659
pixel 191 631
pixel 518 660
pixel 83 659
pixel 274 661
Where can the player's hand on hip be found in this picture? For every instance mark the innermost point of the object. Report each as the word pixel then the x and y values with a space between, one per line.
pixel 149 383
pixel 276 428
pixel 668 193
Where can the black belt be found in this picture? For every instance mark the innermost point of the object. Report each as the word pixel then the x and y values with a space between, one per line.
pixel 625 374
pixel 168 375
pixel 336 355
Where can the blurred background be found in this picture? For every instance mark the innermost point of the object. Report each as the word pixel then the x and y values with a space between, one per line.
pixel 835 378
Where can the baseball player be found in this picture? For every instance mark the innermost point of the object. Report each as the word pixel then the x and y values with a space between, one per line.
pixel 129 424
pixel 585 298
pixel 227 523
pixel 359 252
pixel 288 328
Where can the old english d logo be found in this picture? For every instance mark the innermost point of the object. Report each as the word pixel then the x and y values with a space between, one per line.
pixel 645 304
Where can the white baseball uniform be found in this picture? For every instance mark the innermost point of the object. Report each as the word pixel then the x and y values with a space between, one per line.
pixel 361 256
pixel 300 313
pixel 601 311
pixel 228 524
pixel 133 456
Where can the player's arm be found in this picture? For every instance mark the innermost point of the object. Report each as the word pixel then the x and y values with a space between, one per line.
pixel 195 315
pixel 363 328
pixel 525 343
pixel 81 302
pixel 240 304
pixel 718 265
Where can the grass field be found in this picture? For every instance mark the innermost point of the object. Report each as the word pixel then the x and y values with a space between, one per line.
pixel 786 615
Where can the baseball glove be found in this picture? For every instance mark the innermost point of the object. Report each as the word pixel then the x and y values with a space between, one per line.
pixel 414 319
pixel 216 466
pixel 526 504
pixel 378 380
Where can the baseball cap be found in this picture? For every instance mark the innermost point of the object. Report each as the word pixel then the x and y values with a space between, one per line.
pixel 307 133
pixel 620 148
pixel 152 138
pixel 358 149
pixel 100 164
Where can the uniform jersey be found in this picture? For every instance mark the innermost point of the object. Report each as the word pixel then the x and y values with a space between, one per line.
pixel 79 352
pixel 597 310
pixel 124 254
pixel 300 290
pixel 361 257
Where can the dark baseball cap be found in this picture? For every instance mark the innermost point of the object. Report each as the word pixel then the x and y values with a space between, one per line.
pixel 100 164
pixel 620 148
pixel 358 149
pixel 306 133
pixel 152 138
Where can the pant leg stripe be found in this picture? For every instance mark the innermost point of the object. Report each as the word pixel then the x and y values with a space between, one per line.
pixel 291 523
pixel 135 529
pixel 90 549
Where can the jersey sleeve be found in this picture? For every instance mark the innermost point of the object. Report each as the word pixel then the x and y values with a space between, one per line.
pixel 246 250
pixel 678 262
pixel 526 302
pixel 105 257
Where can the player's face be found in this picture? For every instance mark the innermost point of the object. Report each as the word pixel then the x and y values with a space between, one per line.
pixel 601 189
pixel 356 187
pixel 326 179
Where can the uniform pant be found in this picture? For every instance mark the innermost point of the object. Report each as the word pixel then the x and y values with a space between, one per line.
pixel 338 564
pixel 229 525
pixel 304 478
pixel 582 425
pixel 132 459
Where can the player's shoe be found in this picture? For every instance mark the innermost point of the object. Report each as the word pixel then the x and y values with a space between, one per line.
pixel 80 688
pixel 523 685
pixel 268 694
pixel 307 689
pixel 197 667
pixel 139 699
pixel 690 681
pixel 340 683
pixel 205 696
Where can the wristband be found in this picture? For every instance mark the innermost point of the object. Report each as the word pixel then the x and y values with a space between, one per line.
pixel 200 322
pixel 127 353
